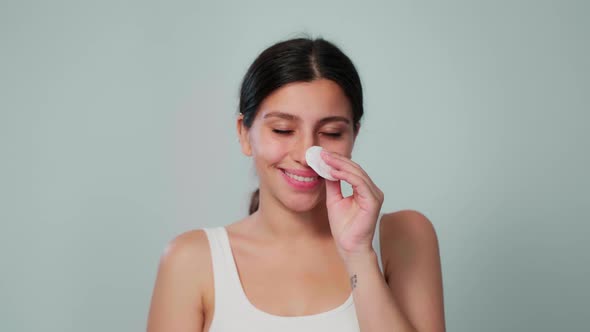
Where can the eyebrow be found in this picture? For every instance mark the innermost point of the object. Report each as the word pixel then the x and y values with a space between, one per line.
pixel 288 116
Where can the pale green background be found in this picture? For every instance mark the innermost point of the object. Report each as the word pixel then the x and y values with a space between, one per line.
pixel 117 124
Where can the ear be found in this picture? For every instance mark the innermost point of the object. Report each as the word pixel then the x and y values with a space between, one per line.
pixel 243 136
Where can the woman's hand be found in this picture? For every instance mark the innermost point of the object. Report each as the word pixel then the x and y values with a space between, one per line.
pixel 353 218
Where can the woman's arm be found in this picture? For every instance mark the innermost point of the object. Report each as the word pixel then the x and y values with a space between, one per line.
pixel 176 303
pixel 412 268
pixel 409 296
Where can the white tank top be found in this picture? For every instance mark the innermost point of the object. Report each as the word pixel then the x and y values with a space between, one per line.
pixel 234 312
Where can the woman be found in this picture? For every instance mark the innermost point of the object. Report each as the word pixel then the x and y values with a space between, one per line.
pixel 303 260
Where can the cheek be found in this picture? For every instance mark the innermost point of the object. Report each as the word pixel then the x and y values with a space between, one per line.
pixel 268 151
pixel 342 147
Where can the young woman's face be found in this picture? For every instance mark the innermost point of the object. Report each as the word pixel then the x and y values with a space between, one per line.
pixel 289 121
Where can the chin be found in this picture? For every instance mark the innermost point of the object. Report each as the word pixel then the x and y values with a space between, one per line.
pixel 302 204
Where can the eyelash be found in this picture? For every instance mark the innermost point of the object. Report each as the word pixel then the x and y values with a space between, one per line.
pixel 286 132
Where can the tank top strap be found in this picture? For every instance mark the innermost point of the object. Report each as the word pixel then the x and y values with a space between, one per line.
pixel 227 294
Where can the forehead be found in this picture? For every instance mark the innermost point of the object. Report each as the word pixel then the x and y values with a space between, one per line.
pixel 308 101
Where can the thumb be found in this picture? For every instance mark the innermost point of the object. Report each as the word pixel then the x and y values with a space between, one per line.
pixel 333 191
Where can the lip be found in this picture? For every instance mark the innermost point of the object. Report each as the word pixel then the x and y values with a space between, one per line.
pixel 300 184
pixel 300 172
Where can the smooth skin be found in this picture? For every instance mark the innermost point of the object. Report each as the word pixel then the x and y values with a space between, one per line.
pixel 279 244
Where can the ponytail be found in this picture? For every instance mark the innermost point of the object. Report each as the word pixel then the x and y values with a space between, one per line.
pixel 254 200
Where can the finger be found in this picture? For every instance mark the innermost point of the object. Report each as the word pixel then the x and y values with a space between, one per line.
pixel 360 171
pixel 358 184
pixel 342 163
pixel 333 192
pixel 340 157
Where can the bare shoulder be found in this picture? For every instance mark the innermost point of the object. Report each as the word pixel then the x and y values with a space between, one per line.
pixel 412 267
pixel 408 226
pixel 184 272
pixel 186 247
pixel 188 255
pixel 404 235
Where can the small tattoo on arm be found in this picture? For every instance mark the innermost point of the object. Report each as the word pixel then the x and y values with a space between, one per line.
pixel 353 281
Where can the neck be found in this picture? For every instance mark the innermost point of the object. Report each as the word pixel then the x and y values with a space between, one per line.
pixel 289 227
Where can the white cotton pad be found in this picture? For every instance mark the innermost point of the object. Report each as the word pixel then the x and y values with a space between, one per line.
pixel 315 161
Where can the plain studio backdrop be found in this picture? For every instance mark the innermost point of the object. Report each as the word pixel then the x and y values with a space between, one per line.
pixel 118 133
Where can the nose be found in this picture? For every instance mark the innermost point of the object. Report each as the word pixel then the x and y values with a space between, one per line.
pixel 303 143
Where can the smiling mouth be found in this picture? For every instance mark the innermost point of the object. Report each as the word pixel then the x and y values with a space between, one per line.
pixel 301 178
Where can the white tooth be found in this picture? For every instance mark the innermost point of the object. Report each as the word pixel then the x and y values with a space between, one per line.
pixel 300 178
pixel 315 161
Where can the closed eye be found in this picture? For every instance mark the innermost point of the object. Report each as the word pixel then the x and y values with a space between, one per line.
pixel 333 134
pixel 287 132
pixel 282 132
